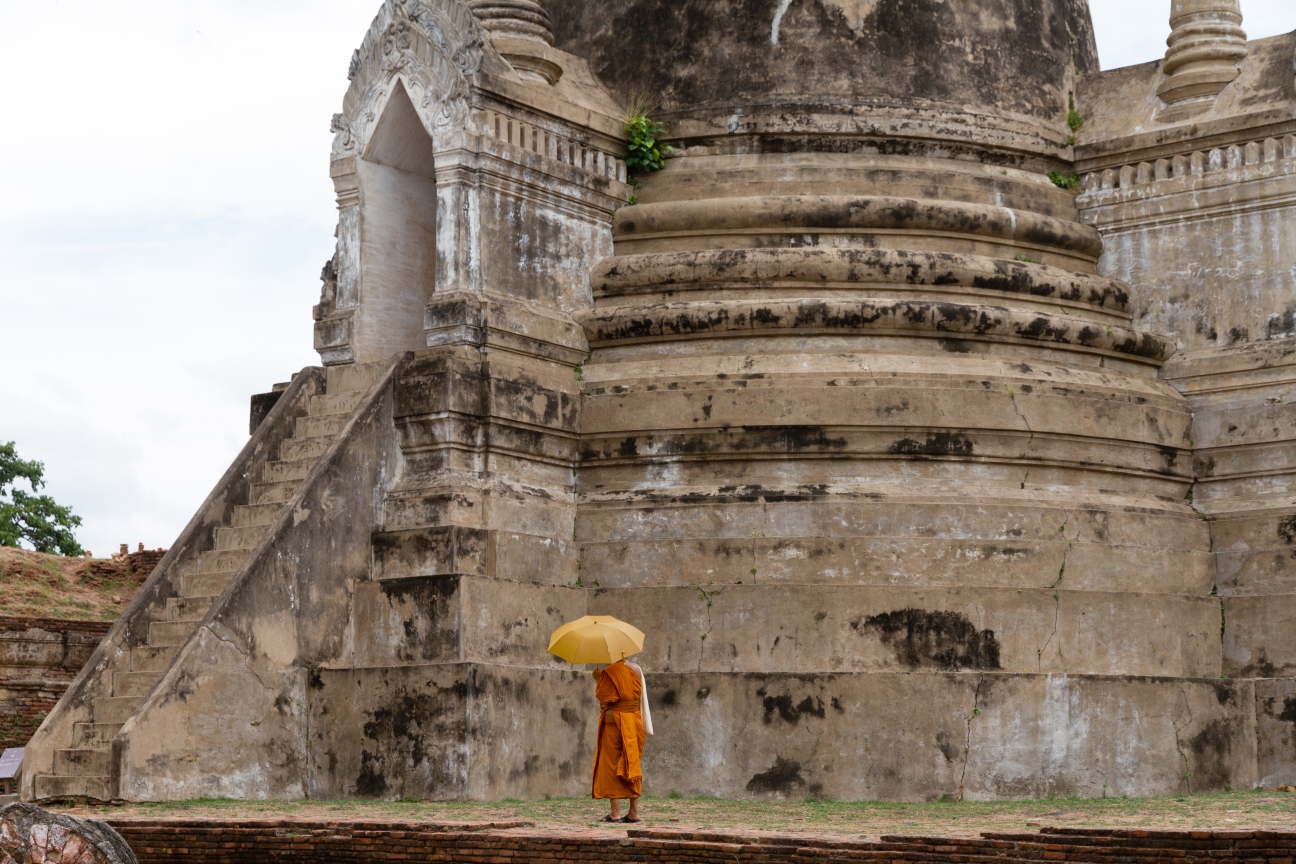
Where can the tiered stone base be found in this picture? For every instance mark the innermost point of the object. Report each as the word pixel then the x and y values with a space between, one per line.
pixel 257 841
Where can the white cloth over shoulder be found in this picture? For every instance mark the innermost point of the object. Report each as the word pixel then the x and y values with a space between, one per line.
pixel 643 703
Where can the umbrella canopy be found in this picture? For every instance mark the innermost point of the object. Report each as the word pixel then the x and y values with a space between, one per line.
pixel 596 639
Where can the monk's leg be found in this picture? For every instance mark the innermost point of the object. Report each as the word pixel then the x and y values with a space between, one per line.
pixel 633 815
pixel 616 809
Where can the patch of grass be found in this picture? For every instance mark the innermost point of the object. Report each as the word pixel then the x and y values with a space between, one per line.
pixel 1259 809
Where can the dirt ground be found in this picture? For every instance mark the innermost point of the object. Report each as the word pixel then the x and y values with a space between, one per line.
pixel 36 585
pixel 1259 809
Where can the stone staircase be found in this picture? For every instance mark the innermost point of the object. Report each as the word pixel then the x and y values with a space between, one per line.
pixel 84 770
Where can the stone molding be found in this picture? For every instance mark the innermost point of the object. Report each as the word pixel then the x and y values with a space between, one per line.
pixel 550 144
pixel 1219 166
pixel 669 322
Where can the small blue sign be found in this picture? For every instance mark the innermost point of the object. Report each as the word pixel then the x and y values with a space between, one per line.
pixel 10 762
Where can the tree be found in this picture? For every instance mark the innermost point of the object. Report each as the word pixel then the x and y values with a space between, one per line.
pixel 37 519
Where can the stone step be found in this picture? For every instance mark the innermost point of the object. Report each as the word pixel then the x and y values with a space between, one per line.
pixel 277 472
pixel 209 585
pixel 94 734
pixel 151 658
pixel 134 683
pixel 238 538
pixel 335 403
pixel 274 493
pixel 353 377
pixel 163 633
pixel 57 786
pixel 223 561
pixel 189 608
pixel 252 515
pixel 317 427
pixel 83 762
pixel 303 448
pixel 114 709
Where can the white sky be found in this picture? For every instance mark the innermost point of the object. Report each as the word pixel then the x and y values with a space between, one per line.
pixel 170 209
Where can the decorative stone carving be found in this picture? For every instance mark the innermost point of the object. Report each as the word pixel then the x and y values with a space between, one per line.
pixel 1206 44
pixel 432 45
pixel 29 834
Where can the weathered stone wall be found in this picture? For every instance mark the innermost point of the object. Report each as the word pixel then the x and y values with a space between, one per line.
pixel 1196 215
pixel 39 657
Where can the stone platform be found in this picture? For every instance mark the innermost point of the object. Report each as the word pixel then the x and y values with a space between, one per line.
pixel 254 841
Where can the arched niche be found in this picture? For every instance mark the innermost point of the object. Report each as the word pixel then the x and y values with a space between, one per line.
pixel 398 220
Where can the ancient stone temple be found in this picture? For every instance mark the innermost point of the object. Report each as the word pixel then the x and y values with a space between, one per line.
pixel 931 411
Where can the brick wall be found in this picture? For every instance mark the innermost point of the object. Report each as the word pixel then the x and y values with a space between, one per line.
pixel 258 841
pixel 39 657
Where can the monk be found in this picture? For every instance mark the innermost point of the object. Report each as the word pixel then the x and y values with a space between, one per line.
pixel 621 737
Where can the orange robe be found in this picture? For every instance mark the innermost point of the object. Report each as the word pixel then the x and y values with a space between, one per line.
pixel 621 736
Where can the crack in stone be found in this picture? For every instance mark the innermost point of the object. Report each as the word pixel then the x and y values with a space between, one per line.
pixel 1012 396
pixel 1057 599
pixel 967 742
pixel 706 596
pixel 1039 654
pixel 1187 775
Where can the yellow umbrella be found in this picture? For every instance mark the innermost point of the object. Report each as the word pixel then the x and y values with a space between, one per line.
pixel 596 639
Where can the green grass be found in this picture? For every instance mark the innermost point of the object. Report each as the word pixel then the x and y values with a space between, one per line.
pixel 1232 809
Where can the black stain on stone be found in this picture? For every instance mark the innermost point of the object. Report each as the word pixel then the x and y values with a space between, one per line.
pixel 1289 710
pixel 704 692
pixel 1287 530
pixel 933 640
pixel 669 698
pixel 937 444
pixel 1212 750
pixel 529 768
pixel 790 713
pixel 948 747
pixel 778 780
pixel 403 737
pixel 570 717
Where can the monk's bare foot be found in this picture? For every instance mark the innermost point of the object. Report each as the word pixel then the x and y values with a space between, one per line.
pixel 633 815
pixel 616 811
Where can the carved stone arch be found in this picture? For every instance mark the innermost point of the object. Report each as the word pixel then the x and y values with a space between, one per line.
pixel 409 94
pixel 431 47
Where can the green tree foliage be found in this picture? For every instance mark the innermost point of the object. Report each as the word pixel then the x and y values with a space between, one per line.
pixel 37 519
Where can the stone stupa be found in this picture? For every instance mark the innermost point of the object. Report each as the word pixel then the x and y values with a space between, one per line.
pixel 926 411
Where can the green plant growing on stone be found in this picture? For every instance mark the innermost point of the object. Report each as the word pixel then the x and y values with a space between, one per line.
pixel 1075 122
pixel 1022 258
pixel 30 518
pixel 1064 181
pixel 580 371
pixel 644 151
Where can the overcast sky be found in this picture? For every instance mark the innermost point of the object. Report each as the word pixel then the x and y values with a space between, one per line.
pixel 169 211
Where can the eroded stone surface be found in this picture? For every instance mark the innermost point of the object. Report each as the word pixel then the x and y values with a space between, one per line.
pixel 31 835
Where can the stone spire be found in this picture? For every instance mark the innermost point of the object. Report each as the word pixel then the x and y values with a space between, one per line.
pixel 1206 45
pixel 523 34
pixel 515 19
